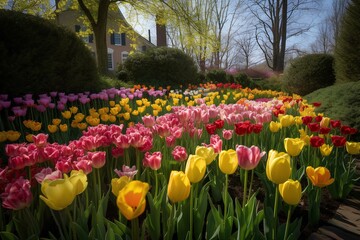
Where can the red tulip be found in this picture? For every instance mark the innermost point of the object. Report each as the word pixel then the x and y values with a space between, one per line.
pixel 306 120
pixel 335 123
pixel 211 128
pixel 219 123
pixel 316 141
pixel 338 141
pixel 314 127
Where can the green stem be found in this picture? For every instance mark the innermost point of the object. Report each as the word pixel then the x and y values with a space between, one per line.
pixel 156 184
pixel 275 211
pixel 225 196
pixel 336 163
pixel 245 187
pixel 287 223
pixel 57 224
pixel 251 181
pixel 293 167
pixel 135 229
pixel 191 212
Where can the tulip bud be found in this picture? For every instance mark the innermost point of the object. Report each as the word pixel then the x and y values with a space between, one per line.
pixel 278 167
pixel 178 187
pixel 195 168
pixel 228 161
pixel 207 153
pixel 290 191
pixel 293 146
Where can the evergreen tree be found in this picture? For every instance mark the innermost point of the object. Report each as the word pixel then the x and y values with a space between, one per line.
pixel 347 49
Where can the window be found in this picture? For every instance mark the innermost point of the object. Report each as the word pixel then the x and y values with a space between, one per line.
pixel 118 39
pixel 124 56
pixel 110 59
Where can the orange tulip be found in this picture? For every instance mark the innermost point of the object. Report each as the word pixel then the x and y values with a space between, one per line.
pixel 320 176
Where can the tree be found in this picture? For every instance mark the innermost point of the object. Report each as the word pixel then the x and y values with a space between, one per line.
pixel 246 47
pixel 275 24
pixel 347 47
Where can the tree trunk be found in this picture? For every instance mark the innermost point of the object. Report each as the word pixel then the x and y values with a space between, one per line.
pixel 283 26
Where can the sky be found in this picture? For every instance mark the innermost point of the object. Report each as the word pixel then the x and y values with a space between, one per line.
pixel 143 24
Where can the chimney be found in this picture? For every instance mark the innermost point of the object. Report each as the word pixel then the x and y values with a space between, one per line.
pixel 160 33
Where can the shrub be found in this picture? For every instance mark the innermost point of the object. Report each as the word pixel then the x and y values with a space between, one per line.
pixel 216 76
pixel 309 73
pixel 347 47
pixel 38 56
pixel 123 75
pixel 161 67
pixel 245 81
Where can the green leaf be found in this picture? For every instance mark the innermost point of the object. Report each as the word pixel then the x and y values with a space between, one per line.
pixel 8 236
pixel 80 232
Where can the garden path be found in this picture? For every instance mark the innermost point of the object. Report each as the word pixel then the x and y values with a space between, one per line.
pixel 346 222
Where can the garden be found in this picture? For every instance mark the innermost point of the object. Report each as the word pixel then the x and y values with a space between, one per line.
pixel 143 163
pixel 185 156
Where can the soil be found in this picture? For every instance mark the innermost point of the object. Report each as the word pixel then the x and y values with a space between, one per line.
pixel 328 205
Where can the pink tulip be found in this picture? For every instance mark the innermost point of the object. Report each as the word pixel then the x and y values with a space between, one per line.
pixel 117 152
pixel 40 140
pixel 127 171
pixel 179 154
pixel 17 194
pixel 152 160
pixel 98 159
pixel 64 165
pixel 84 165
pixel 47 173
pixel 149 121
pixel 170 141
pixel 227 134
pixel 249 157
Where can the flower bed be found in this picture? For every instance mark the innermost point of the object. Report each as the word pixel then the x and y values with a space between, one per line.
pixel 87 165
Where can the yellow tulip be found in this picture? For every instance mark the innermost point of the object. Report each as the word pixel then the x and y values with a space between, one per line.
pixel 325 150
pixel 56 121
pixel 66 114
pixel 325 122
pixel 228 161
pixel 3 136
pixel 35 126
pixel 52 128
pixel 73 109
pixel 207 153
pixel 79 117
pixel 79 180
pixel 293 146
pixel 63 127
pixel 81 126
pixel 131 199
pixel 168 108
pixel 195 168
pixel 119 183
pixel 298 120
pixel 58 194
pixel 290 191
pixel 104 117
pixel 13 136
pixel 126 116
pixel 28 138
pixel 320 176
pixel 178 187
pixel 286 120
pixel 278 166
pixel 274 126
pixel 353 148
pixel 112 118
pixel 114 111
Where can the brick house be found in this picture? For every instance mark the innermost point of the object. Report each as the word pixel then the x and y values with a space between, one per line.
pixel 119 43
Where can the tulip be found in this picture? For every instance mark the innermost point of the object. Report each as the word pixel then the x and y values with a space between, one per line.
pixel 317 141
pixel 152 160
pixel 319 177
pixel 178 187
pixel 59 193
pixel 286 120
pixel 66 114
pixel 17 195
pixel 278 167
pixel 119 183
pixel 338 141
pixel 208 153
pixel 275 126
pixel 179 154
pixel 290 191
pixel 325 150
pixel 293 146
pixel 248 158
pixel 353 148
pixel 13 136
pixel 228 161
pixel 78 180
pixel 195 168
pixel 131 199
